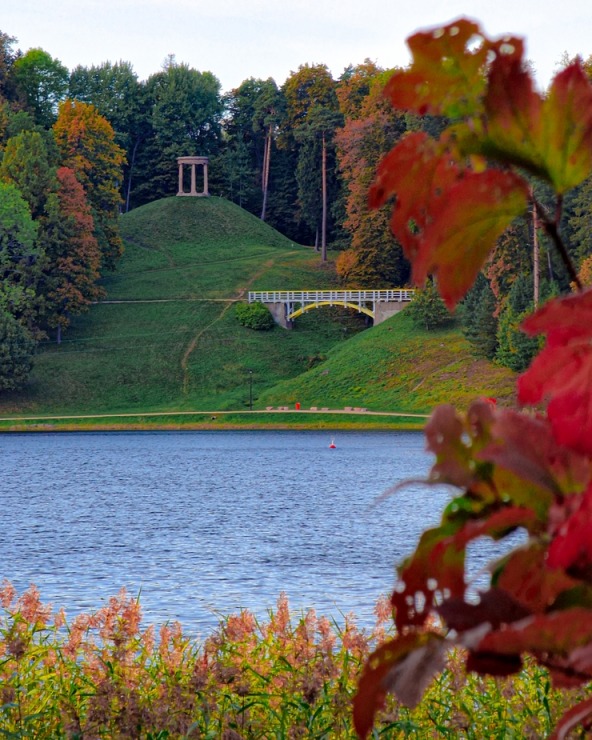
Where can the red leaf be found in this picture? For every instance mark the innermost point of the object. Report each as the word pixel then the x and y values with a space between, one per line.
pixel 551 136
pixel 444 437
pixel 526 446
pixel 464 226
pixel 531 581
pixel 562 372
pixel 497 525
pixel 563 319
pixel 557 633
pixel 418 171
pixel 495 607
pixel 572 546
pixel 386 670
pixel 571 719
pixel 436 568
pixel 445 77
pixel 493 663
pixel 568 128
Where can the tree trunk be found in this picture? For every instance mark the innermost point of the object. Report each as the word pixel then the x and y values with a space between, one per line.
pixel 265 178
pixel 324 220
pixel 129 175
pixel 535 257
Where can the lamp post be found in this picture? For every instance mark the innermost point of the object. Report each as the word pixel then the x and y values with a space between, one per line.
pixel 250 390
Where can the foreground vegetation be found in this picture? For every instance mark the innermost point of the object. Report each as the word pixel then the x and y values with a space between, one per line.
pixel 106 675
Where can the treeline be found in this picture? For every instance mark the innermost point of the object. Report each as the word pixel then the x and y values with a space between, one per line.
pixel 78 147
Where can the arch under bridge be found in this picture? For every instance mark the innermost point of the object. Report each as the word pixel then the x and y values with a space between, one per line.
pixel 286 305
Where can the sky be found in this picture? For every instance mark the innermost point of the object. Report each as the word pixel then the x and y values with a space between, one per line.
pixel 238 39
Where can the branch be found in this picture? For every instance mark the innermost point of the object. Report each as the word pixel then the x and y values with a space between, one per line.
pixel 550 225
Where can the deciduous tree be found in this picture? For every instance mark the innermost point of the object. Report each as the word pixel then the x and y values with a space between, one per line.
pixel 30 164
pixel 41 83
pixel 185 111
pixel 117 94
pixel 370 128
pixel 73 253
pixel 86 143
pixel 312 116
pixel 20 258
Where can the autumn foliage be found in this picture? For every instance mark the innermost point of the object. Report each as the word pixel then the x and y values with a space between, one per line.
pixel 527 470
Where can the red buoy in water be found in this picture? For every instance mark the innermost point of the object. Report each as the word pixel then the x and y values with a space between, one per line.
pixel 332 446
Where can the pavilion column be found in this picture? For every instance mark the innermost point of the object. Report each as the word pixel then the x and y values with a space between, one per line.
pixel 180 191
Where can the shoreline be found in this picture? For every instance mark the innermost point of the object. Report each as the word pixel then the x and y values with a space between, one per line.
pixel 266 419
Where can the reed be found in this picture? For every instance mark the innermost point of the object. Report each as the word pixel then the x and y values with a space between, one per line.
pixel 104 675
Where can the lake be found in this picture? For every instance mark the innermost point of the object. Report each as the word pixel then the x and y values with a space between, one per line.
pixel 205 523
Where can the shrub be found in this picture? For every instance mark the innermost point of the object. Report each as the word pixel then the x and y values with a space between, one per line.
pixel 427 308
pixel 254 316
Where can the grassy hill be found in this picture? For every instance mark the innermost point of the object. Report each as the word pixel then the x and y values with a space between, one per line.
pixel 166 337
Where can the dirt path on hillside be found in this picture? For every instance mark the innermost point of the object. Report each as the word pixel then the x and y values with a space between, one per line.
pixel 193 343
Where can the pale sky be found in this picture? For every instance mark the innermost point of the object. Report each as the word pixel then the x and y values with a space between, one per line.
pixel 238 39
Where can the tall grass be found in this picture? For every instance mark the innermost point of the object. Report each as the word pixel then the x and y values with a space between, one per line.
pixel 104 675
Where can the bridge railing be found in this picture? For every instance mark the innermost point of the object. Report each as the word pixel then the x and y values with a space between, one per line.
pixel 314 296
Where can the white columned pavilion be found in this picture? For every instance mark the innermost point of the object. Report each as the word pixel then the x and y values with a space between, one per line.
pixel 193 162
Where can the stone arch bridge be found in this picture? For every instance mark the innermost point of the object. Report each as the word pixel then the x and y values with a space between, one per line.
pixel 286 305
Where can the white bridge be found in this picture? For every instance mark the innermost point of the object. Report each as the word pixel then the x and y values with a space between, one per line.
pixel 286 305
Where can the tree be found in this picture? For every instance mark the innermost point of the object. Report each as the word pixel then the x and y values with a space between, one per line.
pixel 184 109
pixel 312 116
pixel 74 256
pixel 580 222
pixel 86 143
pixel 119 97
pixel 515 350
pixel 269 107
pixel 250 122
pixel 455 195
pixel 321 125
pixel 427 308
pixel 17 348
pixel 479 318
pixel 42 83
pixel 7 60
pixel 370 128
pixel 30 164
pixel 20 258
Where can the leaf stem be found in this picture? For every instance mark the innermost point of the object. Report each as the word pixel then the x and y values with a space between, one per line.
pixel 551 227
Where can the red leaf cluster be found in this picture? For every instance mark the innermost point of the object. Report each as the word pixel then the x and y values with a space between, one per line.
pixel 562 372
pixel 512 470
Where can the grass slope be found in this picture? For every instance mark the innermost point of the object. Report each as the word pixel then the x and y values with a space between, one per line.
pixel 166 337
pixel 400 367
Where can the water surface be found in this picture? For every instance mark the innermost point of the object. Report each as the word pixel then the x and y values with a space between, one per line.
pixel 205 523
